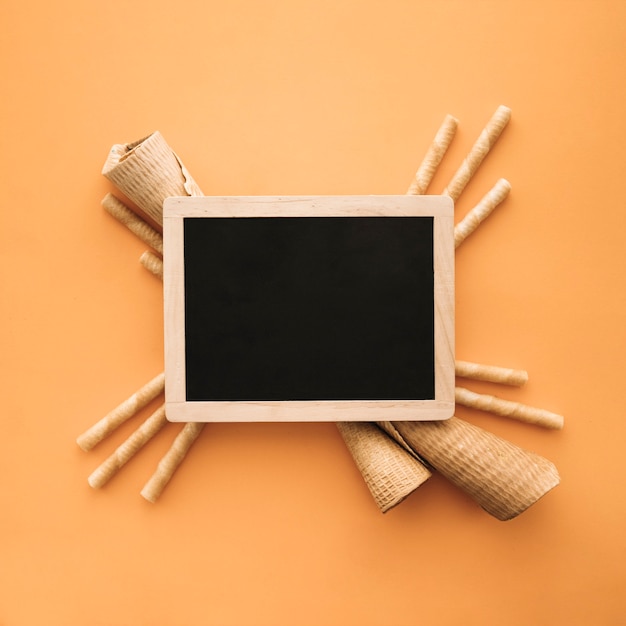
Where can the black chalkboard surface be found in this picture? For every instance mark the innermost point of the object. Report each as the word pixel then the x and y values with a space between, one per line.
pixel 319 308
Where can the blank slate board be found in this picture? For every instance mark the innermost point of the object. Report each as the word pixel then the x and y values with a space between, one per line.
pixel 322 308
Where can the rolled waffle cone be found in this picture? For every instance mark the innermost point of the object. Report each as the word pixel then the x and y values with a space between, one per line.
pixel 501 477
pixel 148 171
pixel 390 473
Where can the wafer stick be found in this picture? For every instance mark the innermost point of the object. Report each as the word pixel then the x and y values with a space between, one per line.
pixel 170 462
pixel 506 408
pixel 479 151
pixel 102 474
pixel 121 413
pixel 148 171
pixel 390 473
pixel 490 373
pixel 481 211
pixel 115 207
pixel 501 477
pixel 152 263
pixel 433 156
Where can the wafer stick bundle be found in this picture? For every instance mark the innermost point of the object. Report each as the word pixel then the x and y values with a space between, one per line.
pixel 131 406
pixel 170 462
pixel 431 441
pixel 128 449
pixel 389 471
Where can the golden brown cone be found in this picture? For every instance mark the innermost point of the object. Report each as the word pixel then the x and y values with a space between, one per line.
pixel 148 171
pixel 503 478
pixel 390 473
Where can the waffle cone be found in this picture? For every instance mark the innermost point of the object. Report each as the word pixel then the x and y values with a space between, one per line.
pixel 503 478
pixel 148 171
pixel 390 473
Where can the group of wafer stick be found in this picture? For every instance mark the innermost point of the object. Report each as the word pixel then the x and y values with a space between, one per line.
pixel 147 171
pixel 391 457
pixel 123 453
pixel 504 479
pixel 462 230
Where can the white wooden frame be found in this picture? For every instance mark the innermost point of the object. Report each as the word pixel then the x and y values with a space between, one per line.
pixel 179 410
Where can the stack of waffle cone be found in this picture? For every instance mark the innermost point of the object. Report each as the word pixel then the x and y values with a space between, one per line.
pixel 501 477
pixel 390 472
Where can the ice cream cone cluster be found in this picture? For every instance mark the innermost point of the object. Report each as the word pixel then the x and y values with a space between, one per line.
pixel 393 458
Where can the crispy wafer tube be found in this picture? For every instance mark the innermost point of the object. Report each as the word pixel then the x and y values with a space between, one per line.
pixel 102 474
pixel 490 373
pixel 479 151
pixel 390 473
pixel 148 171
pixel 172 459
pixel 481 211
pixel 133 222
pixel 152 263
pixel 501 477
pixel 433 156
pixel 121 413
pixel 506 408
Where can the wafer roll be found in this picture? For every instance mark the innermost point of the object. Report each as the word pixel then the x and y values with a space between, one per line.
pixel 476 216
pixel 391 474
pixel 102 474
pixel 121 413
pixel 490 373
pixel 479 151
pixel 433 156
pixel 501 477
pixel 172 459
pixel 506 408
pixel 148 171
pixel 115 207
pixel 152 263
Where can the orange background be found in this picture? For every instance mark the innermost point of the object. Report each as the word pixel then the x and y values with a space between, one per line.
pixel 268 524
